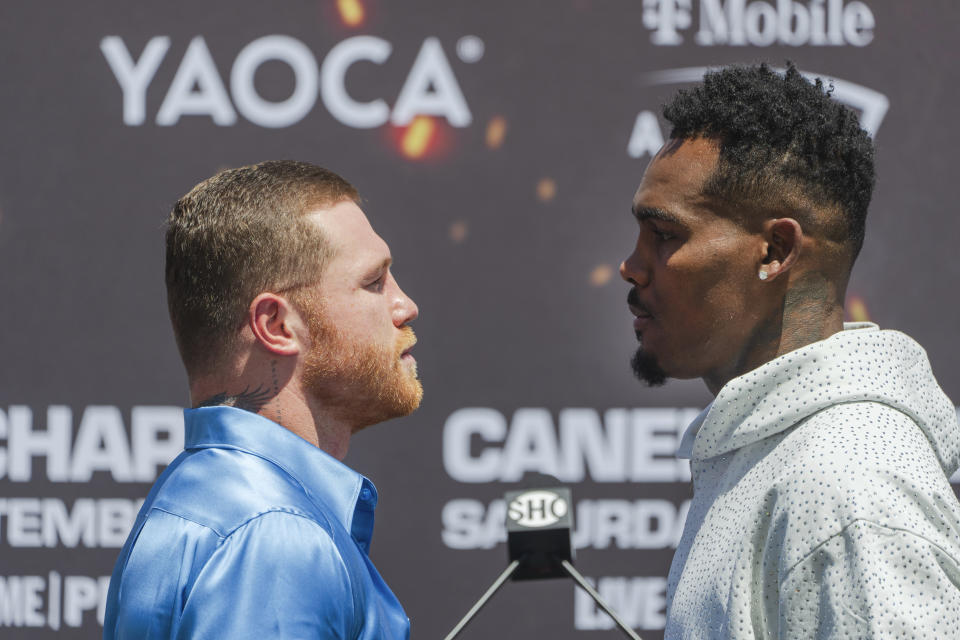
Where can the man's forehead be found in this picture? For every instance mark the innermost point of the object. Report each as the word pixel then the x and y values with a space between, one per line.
pixel 345 214
pixel 350 235
pixel 344 224
pixel 675 178
pixel 690 160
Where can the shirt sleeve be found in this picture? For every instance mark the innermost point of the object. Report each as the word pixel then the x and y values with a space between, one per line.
pixel 280 575
pixel 870 581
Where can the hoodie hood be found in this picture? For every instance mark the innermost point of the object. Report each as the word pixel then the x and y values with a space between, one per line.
pixel 859 364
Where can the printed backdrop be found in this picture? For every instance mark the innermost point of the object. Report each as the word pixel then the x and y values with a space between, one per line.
pixel 497 145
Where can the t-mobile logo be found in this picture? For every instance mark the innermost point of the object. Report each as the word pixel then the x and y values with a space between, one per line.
pixel 761 23
pixel 665 17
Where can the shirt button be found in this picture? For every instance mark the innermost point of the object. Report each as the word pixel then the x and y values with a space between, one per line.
pixel 365 494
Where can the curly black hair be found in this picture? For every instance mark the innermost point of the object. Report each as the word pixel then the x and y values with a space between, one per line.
pixel 785 146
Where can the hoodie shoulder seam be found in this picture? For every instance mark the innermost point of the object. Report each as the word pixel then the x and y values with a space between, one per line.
pixel 854 522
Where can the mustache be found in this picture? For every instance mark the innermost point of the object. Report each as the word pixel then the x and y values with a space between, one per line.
pixel 633 299
pixel 406 340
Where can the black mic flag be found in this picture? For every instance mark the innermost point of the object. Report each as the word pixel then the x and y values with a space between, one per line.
pixel 539 522
pixel 539 525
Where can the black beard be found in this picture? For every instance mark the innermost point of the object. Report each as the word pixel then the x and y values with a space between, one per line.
pixel 647 369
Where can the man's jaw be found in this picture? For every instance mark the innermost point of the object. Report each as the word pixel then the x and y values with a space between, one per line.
pixel 644 363
pixel 646 367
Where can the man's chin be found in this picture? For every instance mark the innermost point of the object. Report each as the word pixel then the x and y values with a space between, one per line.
pixel 402 397
pixel 647 368
pixel 365 390
pixel 412 395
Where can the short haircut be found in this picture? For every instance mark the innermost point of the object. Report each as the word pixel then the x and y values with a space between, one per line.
pixel 236 235
pixel 785 147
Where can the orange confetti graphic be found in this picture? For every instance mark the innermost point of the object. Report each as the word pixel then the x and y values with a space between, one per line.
pixel 496 132
pixel 351 12
pixel 546 190
pixel 857 309
pixel 458 231
pixel 424 139
pixel 416 140
pixel 601 275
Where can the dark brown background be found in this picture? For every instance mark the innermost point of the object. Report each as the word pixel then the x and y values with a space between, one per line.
pixel 515 307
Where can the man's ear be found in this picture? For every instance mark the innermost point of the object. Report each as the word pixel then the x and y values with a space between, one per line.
pixel 784 239
pixel 276 325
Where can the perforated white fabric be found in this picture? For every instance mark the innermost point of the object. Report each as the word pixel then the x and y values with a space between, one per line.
pixel 822 506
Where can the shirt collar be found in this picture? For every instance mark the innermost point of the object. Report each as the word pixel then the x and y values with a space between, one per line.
pixel 350 497
pixel 685 450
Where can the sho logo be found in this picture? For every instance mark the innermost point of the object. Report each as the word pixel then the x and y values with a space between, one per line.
pixel 761 23
pixel 537 509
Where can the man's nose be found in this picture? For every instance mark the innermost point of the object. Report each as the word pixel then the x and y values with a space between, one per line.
pixel 405 310
pixel 634 271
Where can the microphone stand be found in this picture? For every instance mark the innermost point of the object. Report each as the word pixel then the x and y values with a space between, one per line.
pixel 583 584
pixel 483 599
pixel 571 571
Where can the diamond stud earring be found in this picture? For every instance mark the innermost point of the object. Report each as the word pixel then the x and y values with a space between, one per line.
pixel 763 274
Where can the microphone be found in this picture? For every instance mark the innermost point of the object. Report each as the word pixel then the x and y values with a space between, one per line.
pixel 539 525
pixel 539 522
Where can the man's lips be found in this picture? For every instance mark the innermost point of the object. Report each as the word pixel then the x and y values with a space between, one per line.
pixel 640 322
pixel 642 315
pixel 640 312
pixel 637 308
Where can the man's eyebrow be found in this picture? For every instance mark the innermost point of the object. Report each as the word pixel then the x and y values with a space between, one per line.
pixel 381 266
pixel 645 213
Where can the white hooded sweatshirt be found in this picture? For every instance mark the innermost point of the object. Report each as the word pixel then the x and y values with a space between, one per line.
pixel 822 506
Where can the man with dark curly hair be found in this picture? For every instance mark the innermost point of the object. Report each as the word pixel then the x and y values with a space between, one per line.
pixel 822 506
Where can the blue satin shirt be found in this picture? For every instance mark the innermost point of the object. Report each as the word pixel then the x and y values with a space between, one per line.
pixel 252 532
